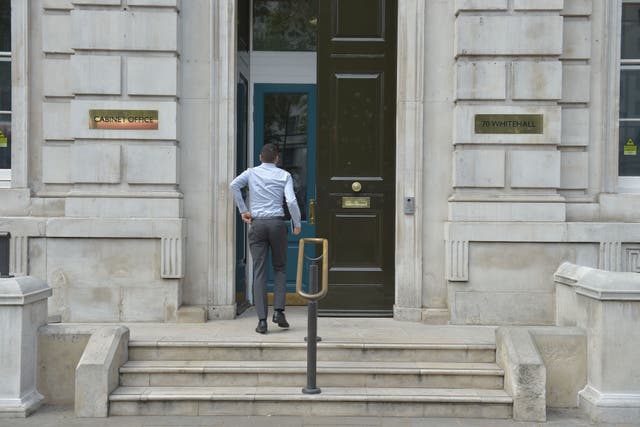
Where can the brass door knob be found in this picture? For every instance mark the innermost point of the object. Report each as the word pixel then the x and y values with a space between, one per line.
pixel 356 186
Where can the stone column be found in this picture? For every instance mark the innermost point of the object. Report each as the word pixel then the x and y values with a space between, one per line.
pixel 221 291
pixel 23 309
pixel 409 160
pixel 607 306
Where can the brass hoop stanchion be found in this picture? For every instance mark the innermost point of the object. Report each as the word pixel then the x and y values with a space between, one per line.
pixel 313 296
pixel 325 268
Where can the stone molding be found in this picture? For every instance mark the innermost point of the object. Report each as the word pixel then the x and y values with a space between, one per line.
pixel 610 256
pixel 458 235
pixel 171 232
pixel 632 259
pixel 598 284
pixel 18 255
pixel 457 260
pixel 172 258
pixel 601 406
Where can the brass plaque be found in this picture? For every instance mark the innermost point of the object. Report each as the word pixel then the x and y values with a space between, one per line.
pixel 356 202
pixel 123 119
pixel 509 123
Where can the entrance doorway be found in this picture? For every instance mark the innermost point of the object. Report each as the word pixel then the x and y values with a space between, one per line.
pixel 356 153
pixel 285 115
pixel 347 162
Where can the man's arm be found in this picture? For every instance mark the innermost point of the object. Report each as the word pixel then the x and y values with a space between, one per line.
pixel 236 187
pixel 292 203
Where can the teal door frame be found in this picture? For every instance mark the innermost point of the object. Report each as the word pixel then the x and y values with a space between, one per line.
pixel 308 230
pixel 242 148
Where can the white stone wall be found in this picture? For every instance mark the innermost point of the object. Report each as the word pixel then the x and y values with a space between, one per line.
pixel 103 224
pixel 512 206
pixel 510 59
pixel 515 196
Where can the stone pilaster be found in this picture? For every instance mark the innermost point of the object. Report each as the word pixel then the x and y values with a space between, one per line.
pixel 221 292
pixel 457 260
pixel 610 256
pixel 409 160
pixel 18 255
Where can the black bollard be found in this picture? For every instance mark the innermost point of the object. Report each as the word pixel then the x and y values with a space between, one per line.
pixel 312 333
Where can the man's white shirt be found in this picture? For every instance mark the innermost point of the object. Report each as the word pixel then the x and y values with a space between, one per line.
pixel 268 184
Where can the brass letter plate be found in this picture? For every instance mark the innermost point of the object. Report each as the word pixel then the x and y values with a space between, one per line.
pixel 123 119
pixel 356 202
pixel 509 123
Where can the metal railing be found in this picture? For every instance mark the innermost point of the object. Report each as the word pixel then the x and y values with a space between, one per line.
pixel 313 296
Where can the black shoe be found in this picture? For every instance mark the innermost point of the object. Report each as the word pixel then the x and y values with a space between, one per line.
pixel 278 317
pixel 262 327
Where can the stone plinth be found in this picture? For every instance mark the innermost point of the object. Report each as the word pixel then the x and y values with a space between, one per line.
pixel 607 305
pixel 23 309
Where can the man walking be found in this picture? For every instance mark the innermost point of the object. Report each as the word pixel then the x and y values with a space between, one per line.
pixel 268 185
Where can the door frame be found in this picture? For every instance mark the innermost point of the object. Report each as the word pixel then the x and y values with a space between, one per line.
pixel 409 289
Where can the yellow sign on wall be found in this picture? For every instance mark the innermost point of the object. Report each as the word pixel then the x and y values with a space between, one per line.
pixel 509 123
pixel 123 119
pixel 630 148
pixel 4 141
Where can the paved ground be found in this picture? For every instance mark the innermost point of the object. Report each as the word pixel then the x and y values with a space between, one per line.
pixel 51 416
pixel 331 329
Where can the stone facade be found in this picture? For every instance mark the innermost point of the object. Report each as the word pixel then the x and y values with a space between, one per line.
pixel 131 225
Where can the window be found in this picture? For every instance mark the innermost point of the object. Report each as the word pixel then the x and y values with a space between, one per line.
pixel 5 92
pixel 629 118
pixel 285 25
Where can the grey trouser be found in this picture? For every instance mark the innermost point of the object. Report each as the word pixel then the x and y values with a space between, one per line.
pixel 265 233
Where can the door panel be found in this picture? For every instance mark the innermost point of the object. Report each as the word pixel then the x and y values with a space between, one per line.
pixel 357 112
pixel 356 144
pixel 345 27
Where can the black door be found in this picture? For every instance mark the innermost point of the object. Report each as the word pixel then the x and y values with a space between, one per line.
pixel 356 153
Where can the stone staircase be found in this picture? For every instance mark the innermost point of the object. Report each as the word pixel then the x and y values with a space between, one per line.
pixel 266 378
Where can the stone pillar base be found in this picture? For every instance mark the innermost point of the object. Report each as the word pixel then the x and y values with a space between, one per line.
pixel 20 408
pixel 431 316
pixel 609 407
pixel 222 312
pixel 191 314
pixel 410 314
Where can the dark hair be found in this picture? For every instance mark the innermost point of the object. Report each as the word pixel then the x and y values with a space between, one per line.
pixel 269 153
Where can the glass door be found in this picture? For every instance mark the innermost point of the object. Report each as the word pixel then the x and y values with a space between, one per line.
pixel 285 115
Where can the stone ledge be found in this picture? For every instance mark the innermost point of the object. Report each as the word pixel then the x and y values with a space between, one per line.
pixel 525 374
pixel 542 232
pixel 610 407
pixel 23 290
pixel 94 227
pixel 599 284
pixel 97 374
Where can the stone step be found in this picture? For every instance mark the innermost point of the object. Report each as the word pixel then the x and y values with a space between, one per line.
pixel 329 374
pixel 333 401
pixel 327 351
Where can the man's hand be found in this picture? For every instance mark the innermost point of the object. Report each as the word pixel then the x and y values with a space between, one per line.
pixel 246 217
pixel 296 230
